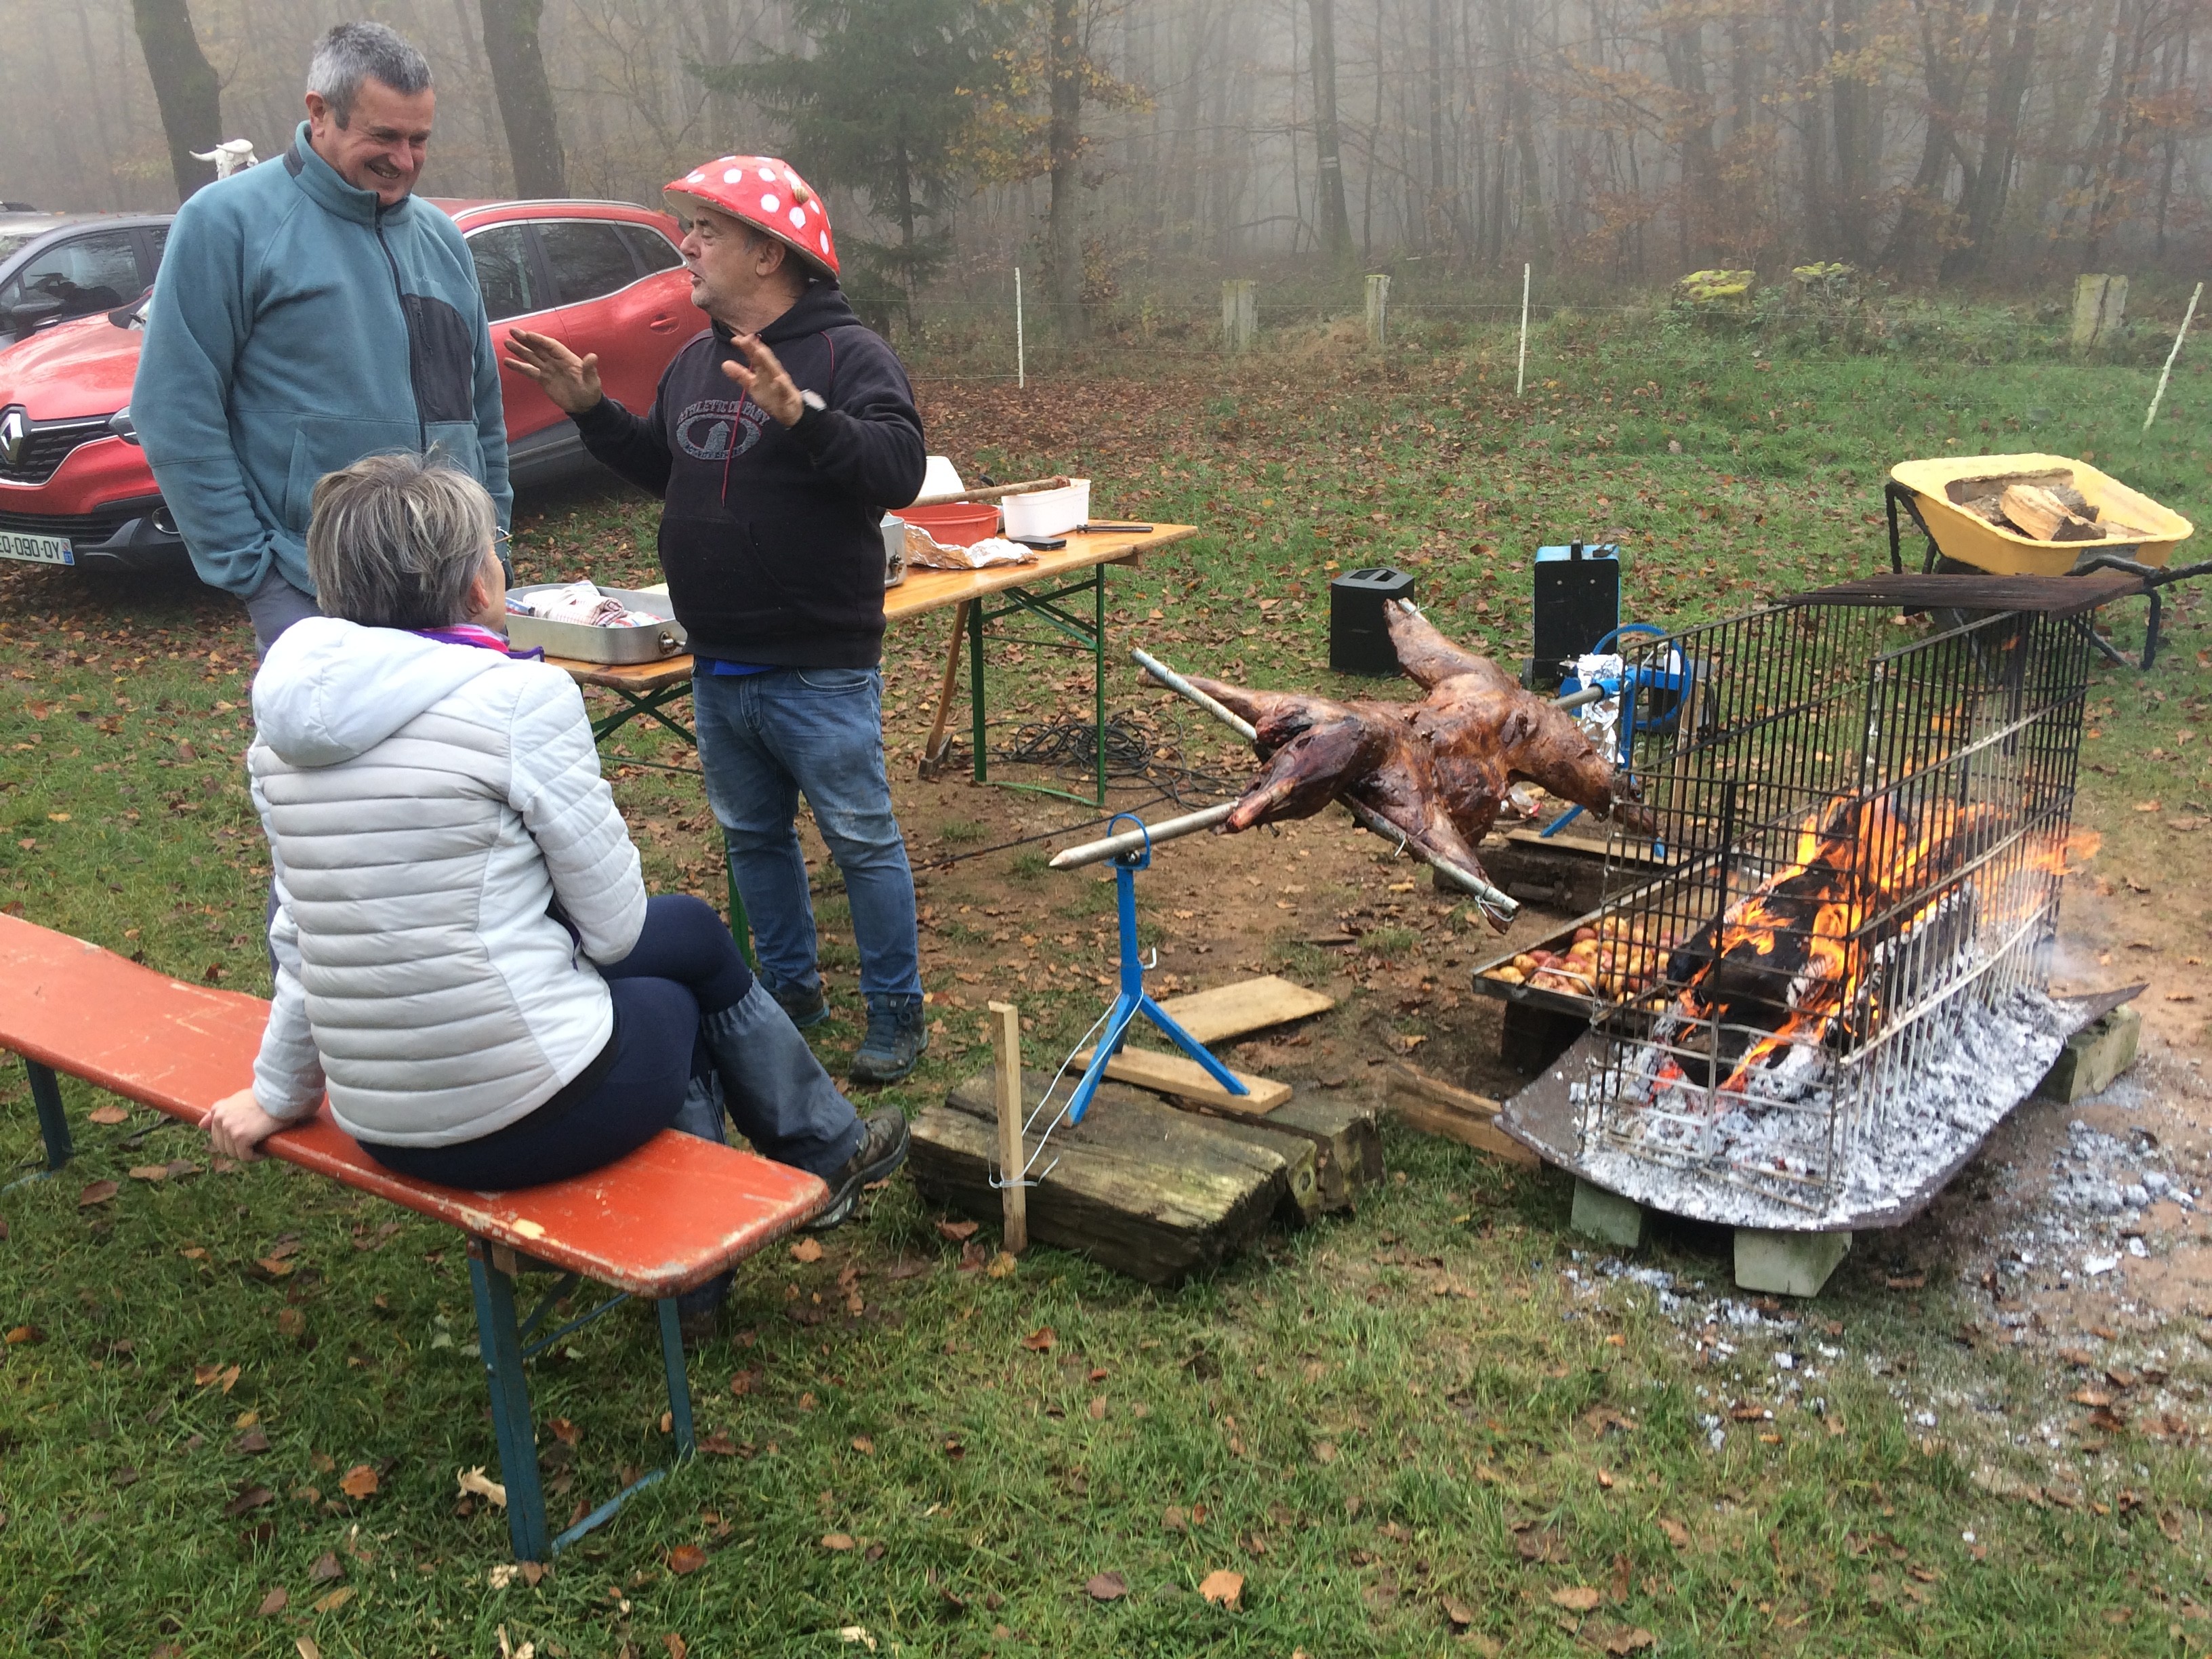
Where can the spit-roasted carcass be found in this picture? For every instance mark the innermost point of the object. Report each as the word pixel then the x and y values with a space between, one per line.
pixel 1438 770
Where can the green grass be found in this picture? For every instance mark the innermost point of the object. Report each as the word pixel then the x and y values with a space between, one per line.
pixel 1384 1417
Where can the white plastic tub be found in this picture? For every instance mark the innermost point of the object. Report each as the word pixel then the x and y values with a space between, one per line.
pixel 1048 512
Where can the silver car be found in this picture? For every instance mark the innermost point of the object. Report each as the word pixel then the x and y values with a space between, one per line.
pixel 57 266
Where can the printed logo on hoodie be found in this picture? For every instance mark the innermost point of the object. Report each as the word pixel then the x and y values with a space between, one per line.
pixel 716 429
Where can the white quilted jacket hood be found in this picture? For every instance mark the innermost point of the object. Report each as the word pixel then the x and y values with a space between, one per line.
pixel 449 866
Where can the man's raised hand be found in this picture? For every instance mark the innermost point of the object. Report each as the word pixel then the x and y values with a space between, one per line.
pixel 765 382
pixel 572 382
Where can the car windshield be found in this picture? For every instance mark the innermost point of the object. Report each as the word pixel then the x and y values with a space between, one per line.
pixel 12 240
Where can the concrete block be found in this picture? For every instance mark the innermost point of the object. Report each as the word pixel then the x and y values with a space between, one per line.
pixel 1787 1264
pixel 2093 1057
pixel 1606 1216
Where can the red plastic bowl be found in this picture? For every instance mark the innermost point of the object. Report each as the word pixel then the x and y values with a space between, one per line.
pixel 956 524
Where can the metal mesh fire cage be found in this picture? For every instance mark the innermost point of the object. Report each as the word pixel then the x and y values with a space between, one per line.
pixel 1840 971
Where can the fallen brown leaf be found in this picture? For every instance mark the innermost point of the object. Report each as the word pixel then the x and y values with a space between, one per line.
pixel 1629 1641
pixel 31 1334
pixel 1458 1613
pixel 1106 1587
pixel 326 1567
pixel 959 1232
pixel 108 1117
pixel 1677 1533
pixel 337 1599
pixel 836 1541
pixel 359 1482
pixel 251 1499
pixel 863 1445
pixel 678 1648
pixel 273 1603
pixel 807 1250
pixel 686 1558
pixel 1040 1340
pixel 97 1192
pixel 1576 1598
pixel 255 1439
pixel 149 1172
pixel 1224 1589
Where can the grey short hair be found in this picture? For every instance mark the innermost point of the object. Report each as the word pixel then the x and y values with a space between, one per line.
pixel 352 52
pixel 395 539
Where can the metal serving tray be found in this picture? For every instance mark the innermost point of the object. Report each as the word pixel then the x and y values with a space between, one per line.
pixel 580 642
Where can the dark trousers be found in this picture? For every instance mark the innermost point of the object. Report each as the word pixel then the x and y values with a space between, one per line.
pixel 685 966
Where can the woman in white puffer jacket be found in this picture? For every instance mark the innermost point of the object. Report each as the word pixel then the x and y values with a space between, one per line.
pixel 466 959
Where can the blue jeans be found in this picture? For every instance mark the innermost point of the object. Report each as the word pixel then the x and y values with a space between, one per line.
pixel 763 739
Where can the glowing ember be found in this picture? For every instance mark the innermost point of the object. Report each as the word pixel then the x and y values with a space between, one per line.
pixel 1793 959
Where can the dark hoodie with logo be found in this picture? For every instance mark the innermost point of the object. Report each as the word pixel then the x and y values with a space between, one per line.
pixel 770 535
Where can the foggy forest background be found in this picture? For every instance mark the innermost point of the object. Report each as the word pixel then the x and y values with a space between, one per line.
pixel 1130 152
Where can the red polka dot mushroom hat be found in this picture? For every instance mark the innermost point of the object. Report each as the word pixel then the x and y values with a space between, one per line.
pixel 766 194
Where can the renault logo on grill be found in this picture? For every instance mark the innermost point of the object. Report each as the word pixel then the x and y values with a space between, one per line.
pixel 15 433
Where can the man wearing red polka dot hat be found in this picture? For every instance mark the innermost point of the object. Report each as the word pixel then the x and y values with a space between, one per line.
pixel 778 439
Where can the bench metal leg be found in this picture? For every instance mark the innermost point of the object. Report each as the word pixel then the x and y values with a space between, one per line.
pixel 499 1340
pixel 53 1124
pixel 680 1383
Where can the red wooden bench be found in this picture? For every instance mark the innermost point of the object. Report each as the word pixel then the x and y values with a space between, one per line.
pixel 669 1217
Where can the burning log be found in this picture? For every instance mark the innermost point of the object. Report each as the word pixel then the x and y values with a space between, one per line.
pixel 1781 972
pixel 1437 771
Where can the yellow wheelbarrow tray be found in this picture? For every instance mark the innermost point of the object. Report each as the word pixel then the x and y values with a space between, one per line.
pixel 1928 490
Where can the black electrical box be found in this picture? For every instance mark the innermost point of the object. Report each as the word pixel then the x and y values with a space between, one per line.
pixel 1578 603
pixel 1358 636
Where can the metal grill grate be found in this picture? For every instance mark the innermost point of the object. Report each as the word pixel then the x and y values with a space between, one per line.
pixel 1860 852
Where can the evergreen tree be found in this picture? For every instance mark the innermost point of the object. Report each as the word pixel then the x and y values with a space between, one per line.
pixel 880 103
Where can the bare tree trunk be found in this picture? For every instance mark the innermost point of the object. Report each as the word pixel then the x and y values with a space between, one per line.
pixel 185 87
pixel 1681 42
pixel 1984 199
pixel 1950 44
pixel 2176 67
pixel 1064 146
pixel 1328 154
pixel 525 97
pixel 1520 114
pixel 1435 226
pixel 1856 138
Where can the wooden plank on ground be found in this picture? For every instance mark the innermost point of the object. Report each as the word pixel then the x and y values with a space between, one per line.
pixel 1186 1080
pixel 1437 1108
pixel 1139 1187
pixel 1248 1006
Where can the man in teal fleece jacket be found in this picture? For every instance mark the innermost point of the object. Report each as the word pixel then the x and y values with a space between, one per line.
pixel 309 311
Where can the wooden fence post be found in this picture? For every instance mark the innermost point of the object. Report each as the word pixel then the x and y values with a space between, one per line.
pixel 1379 309
pixel 2100 306
pixel 1240 314
pixel 1013 1160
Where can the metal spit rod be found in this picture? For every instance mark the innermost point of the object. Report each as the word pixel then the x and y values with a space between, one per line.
pixel 1367 816
pixel 1094 852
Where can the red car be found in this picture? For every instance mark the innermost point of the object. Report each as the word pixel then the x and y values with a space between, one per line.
pixel 603 276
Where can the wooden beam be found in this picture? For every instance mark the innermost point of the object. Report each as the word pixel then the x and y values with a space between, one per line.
pixel 1186 1080
pixel 1247 1005
pixel 1138 1186
pixel 1436 1108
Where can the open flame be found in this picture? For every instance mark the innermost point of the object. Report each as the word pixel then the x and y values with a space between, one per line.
pixel 1790 960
